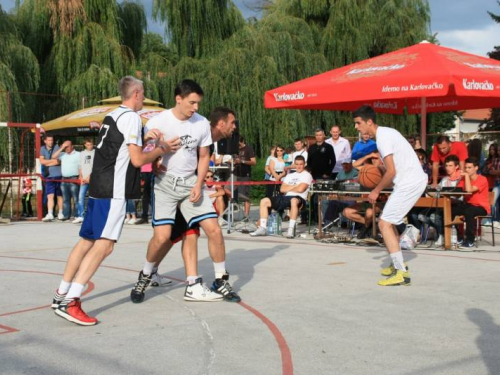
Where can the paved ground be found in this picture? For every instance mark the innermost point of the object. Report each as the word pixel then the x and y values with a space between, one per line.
pixel 309 308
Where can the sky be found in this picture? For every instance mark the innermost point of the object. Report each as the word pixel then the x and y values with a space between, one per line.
pixel 461 24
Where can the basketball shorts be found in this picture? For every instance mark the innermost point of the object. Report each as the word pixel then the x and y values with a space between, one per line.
pixel 104 219
pixel 401 201
pixel 53 187
pixel 283 202
pixel 180 229
pixel 169 192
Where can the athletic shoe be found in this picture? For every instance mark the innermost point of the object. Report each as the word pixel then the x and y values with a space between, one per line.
pixel 48 217
pixel 78 220
pixel 291 232
pixel 199 292
pixel 60 216
pixel 126 221
pixel 137 293
pixel 132 221
pixel 398 278
pixel 363 233
pixel 159 280
pixel 261 231
pixel 440 241
pixel 468 244
pixel 496 224
pixel 223 287
pixel 141 221
pixel 389 271
pixel 73 312
pixel 57 299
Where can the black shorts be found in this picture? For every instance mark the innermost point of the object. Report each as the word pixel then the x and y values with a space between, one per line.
pixel 180 229
pixel 283 202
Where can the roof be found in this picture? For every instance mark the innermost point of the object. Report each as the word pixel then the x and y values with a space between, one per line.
pixel 476 114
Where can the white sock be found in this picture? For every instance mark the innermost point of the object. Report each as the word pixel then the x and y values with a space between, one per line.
pixel 191 280
pixel 292 223
pixel 75 291
pixel 148 268
pixel 63 287
pixel 220 269
pixel 50 212
pixel 397 260
pixel 263 223
pixel 155 269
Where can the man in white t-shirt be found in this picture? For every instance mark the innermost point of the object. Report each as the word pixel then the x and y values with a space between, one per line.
pixel 341 147
pixel 403 170
pixel 300 149
pixel 182 187
pixel 295 187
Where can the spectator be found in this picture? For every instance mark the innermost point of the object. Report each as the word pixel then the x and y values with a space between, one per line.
pixel 277 171
pixel 268 161
pixel 442 148
pixel 300 149
pixel 131 217
pixel 216 193
pixel 26 199
pixel 341 147
pixel 363 147
pixel 70 170
pixel 288 157
pixel 477 204
pixel 489 164
pixel 86 163
pixel 243 170
pixel 321 157
pixel 295 187
pixel 422 158
pixel 475 150
pixel 52 175
pixel 492 172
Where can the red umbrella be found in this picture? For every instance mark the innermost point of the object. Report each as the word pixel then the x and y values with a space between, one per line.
pixel 421 78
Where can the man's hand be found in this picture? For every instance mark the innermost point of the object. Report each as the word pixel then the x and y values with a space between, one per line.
pixel 158 167
pixel 195 194
pixel 65 144
pixel 373 196
pixel 153 134
pixel 434 185
pixel 170 145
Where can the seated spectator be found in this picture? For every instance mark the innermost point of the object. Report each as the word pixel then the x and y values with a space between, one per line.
pixel 477 204
pixel 422 158
pixel 216 193
pixel 295 187
pixel 442 148
pixel 363 147
pixel 355 213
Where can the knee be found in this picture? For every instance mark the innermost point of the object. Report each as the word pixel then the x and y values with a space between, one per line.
pixel 162 236
pixel 211 228
pixel 384 225
pixel 265 202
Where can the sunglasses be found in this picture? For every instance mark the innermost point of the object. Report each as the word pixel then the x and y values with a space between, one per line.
pixel 207 177
pixel 279 150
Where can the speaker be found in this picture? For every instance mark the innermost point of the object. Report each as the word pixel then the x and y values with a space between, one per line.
pixel 230 146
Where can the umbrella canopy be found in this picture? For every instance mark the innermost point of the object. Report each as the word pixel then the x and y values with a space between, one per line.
pixel 445 78
pixel 118 100
pixel 88 121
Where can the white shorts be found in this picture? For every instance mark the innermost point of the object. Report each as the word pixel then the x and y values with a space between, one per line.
pixel 401 201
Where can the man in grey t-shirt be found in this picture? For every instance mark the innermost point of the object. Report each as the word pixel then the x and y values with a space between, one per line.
pixel 86 162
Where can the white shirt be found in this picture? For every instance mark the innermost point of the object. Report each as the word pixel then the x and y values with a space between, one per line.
pixel 297 179
pixel 210 190
pixel 297 153
pixel 342 150
pixel 194 133
pixel 409 172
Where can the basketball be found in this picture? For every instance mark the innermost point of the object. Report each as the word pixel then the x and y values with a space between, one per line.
pixel 369 176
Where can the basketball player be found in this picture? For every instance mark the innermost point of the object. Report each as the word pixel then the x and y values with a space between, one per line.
pixel 404 170
pixel 181 186
pixel 115 178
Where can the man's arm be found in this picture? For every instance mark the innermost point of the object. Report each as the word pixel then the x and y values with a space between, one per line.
pixel 469 188
pixel 435 172
pixel 300 188
pixel 203 163
pixel 462 165
pixel 48 163
pixel 390 173
pixel 55 154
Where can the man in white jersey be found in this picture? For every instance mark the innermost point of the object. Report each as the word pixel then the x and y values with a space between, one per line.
pixel 115 178
pixel 403 170
pixel 181 188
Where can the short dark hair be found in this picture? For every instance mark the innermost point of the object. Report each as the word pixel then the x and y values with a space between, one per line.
pixel 186 87
pixel 320 130
pixel 443 138
pixel 422 153
pixel 452 158
pixel 299 140
pixel 472 160
pixel 220 113
pixel 300 157
pixel 88 140
pixel 242 140
pixel 366 113
pixel 48 136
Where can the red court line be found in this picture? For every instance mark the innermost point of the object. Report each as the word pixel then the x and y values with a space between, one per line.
pixel 7 329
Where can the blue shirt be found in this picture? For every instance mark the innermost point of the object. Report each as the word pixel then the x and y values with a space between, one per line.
pixel 362 148
pixel 54 171
pixel 70 163
pixel 352 175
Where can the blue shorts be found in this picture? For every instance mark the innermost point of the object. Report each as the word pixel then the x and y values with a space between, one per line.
pixel 104 219
pixel 52 187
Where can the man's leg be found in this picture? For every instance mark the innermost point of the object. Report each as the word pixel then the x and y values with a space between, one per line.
pixel 81 200
pixel 352 213
pixel 295 203
pixel 50 208
pixel 60 202
pixel 265 205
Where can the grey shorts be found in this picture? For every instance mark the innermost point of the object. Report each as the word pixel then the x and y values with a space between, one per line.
pixel 243 190
pixel 170 192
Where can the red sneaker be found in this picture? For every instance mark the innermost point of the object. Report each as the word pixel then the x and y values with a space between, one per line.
pixel 74 313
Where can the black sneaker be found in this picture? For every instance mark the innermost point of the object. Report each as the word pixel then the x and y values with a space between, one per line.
pixel 467 244
pixel 222 286
pixel 137 293
pixel 363 233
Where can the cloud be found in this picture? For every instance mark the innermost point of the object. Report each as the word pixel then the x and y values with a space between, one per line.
pixel 478 41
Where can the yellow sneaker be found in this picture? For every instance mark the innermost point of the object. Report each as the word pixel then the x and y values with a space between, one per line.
pixel 389 271
pixel 398 278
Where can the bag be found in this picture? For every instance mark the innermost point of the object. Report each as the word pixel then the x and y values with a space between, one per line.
pixel 410 237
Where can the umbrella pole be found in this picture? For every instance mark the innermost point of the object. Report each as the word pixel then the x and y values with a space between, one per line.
pixel 423 123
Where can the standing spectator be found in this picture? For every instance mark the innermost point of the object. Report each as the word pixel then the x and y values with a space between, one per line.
pixel 26 199
pixel 277 171
pixel 52 175
pixel 442 148
pixel 475 150
pixel 268 161
pixel 363 147
pixel 288 157
pixel 422 158
pixel 146 178
pixel 300 149
pixel 341 147
pixel 86 162
pixel 131 217
pixel 492 171
pixel 243 171
pixel 321 158
pixel 70 170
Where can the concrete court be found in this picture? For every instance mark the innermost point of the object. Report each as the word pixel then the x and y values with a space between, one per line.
pixel 309 308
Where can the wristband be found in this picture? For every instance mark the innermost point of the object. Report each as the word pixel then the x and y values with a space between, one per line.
pixel 163 148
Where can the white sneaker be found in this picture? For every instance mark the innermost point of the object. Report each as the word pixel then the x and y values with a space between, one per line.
pixel 159 280
pixel 261 231
pixel 126 221
pixel 440 241
pixel 496 224
pixel 48 217
pixel 291 232
pixel 132 221
pixel 199 292
pixel 78 220
pixel 60 216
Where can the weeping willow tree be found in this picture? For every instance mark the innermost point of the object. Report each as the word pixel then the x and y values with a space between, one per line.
pixel 19 71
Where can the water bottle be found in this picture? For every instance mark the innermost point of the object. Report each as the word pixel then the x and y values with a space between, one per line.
pixel 275 224
pixel 454 240
pixel 278 224
pixel 270 224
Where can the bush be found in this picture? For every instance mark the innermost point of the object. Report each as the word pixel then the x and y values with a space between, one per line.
pixel 258 191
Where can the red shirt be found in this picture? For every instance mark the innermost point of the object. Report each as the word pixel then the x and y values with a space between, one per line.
pixel 457 148
pixel 479 198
